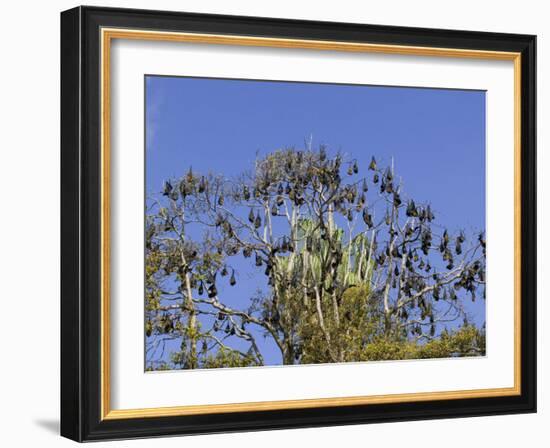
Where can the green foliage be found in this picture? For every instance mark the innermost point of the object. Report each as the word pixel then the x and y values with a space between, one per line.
pixel 466 341
pixel 360 323
pixel 228 358
pixel 348 278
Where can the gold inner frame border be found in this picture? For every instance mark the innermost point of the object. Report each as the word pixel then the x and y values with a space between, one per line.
pixel 107 35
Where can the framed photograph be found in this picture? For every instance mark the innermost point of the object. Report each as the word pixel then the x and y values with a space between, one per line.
pixel 273 223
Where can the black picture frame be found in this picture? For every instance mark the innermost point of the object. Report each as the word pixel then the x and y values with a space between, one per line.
pixel 81 224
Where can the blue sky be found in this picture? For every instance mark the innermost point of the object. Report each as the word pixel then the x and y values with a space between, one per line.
pixel 435 136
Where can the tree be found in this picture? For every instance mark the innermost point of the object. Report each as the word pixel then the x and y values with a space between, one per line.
pixel 354 269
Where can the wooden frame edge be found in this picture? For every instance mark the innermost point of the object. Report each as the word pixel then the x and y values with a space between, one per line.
pixel 305 403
